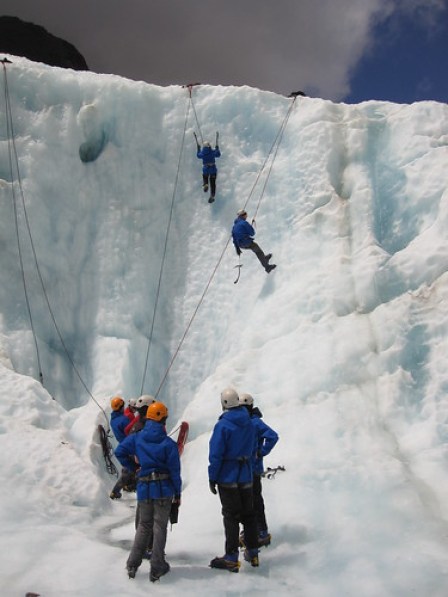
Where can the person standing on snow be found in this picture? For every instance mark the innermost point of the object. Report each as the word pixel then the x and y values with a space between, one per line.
pixel 130 412
pixel 119 422
pixel 242 234
pixel 141 406
pixel 230 473
pixel 159 484
pixel 266 440
pixel 209 170
pixel 118 419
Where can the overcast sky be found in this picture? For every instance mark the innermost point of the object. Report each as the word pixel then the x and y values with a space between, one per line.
pixel 348 50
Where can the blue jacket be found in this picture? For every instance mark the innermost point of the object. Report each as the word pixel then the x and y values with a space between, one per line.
pixel 231 448
pixel 156 453
pixel 119 421
pixel 266 440
pixel 208 155
pixel 242 233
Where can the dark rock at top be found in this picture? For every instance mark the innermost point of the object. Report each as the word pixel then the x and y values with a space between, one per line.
pixel 35 43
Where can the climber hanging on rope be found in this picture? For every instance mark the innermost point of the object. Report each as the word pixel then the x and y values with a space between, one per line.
pixel 242 234
pixel 209 170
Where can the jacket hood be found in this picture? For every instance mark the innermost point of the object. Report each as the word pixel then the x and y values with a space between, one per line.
pixel 256 412
pixel 238 416
pixel 153 432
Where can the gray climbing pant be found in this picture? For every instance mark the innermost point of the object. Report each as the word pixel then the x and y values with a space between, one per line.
pixel 153 516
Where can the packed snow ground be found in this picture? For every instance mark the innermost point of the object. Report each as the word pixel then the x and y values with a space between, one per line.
pixel 344 346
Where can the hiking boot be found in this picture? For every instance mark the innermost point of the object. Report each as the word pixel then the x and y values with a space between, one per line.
pixel 156 574
pixel 264 539
pixel 251 556
pixel 227 562
pixel 205 187
pixel 115 495
pixel 132 571
pixel 269 268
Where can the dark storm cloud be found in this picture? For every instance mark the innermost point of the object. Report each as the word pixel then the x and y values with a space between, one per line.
pixel 278 45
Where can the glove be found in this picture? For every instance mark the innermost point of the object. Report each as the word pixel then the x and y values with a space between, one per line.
pixel 212 485
pixel 238 251
pixel 174 511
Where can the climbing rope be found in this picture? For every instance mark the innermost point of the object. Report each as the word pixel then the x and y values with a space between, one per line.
pixel 162 265
pixel 107 450
pixel 190 91
pixel 276 145
pixel 13 152
pixel 190 323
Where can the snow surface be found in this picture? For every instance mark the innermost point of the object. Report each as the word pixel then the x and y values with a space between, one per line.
pixel 344 346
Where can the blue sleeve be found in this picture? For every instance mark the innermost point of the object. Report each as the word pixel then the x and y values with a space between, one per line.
pixel 126 451
pixel 118 424
pixel 217 152
pixel 174 467
pixel 216 452
pixel 248 229
pixel 199 154
pixel 268 438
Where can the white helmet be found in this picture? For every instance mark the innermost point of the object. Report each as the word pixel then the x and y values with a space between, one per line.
pixel 241 212
pixel 144 400
pixel 207 144
pixel 246 399
pixel 132 402
pixel 229 398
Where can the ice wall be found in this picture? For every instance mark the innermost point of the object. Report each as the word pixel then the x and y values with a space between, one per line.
pixel 354 211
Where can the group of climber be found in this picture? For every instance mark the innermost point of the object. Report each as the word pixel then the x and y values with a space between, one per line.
pixel 124 421
pixel 239 441
pixel 242 232
pixel 152 457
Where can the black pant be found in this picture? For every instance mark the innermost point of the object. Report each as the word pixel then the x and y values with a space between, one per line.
pixel 259 253
pixel 238 507
pixel 212 177
pixel 259 504
pixel 127 479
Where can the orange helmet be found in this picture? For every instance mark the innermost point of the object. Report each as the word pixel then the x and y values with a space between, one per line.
pixel 116 403
pixel 157 411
